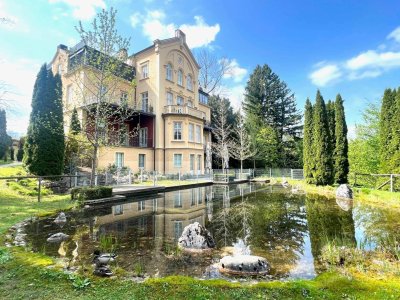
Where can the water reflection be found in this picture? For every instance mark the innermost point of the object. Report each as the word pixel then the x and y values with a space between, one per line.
pixel 288 229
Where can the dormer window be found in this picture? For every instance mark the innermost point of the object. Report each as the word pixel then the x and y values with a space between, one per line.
pixel 169 72
pixel 180 77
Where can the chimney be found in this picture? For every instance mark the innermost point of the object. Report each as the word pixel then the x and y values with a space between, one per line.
pixel 179 34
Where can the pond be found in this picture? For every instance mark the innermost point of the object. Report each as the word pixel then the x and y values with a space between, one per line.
pixel 285 226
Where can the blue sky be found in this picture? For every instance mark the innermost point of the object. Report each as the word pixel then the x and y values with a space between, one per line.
pixel 347 47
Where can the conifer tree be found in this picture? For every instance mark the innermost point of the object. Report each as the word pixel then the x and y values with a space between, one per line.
pixel 330 111
pixel 5 139
pixel 321 143
pixel 308 153
pixel 75 125
pixel 341 163
pixel 387 121
pixel 394 142
pixel 20 151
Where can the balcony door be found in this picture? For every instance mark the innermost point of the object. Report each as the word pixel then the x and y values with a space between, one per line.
pixel 143 137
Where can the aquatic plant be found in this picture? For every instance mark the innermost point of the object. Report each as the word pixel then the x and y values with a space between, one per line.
pixel 78 282
pixel 108 243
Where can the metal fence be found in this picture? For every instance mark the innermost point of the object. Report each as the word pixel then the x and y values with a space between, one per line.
pixel 279 173
pixel 389 182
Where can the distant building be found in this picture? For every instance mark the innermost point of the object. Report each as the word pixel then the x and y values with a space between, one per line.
pixel 173 112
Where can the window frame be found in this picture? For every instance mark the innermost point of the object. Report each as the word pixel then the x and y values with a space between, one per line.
pixel 170 101
pixel 177 130
pixel 144 66
pixel 176 155
pixel 179 80
pixel 117 162
pixel 189 82
pixel 140 160
pixel 198 134
pixel 144 96
pixel 191 132
pixel 169 74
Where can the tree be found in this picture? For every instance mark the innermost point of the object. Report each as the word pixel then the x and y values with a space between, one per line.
pixel 244 149
pixel 269 99
pixel 75 125
pixel 308 157
pixel 212 70
pixel 387 121
pixel 330 111
pixel 20 151
pixel 341 163
pixel 321 144
pixel 5 139
pixel 268 146
pixel 104 70
pixel 44 147
pixel 393 150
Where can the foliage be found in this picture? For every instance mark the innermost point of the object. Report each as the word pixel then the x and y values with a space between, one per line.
pixel 20 151
pixel 5 255
pixel 78 282
pixel 75 125
pixel 5 139
pixel 108 243
pixel 268 146
pixel 89 193
pixel 12 151
pixel 44 145
pixel 341 161
pixel 386 123
pixel 308 158
pixel 28 187
pixel 321 144
pixel 269 99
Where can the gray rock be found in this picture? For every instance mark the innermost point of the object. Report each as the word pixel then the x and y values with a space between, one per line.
pixel 243 264
pixel 344 204
pixel 61 219
pixel 344 191
pixel 58 237
pixel 195 236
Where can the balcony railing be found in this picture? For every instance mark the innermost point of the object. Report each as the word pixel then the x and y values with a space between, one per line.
pixel 135 141
pixel 184 110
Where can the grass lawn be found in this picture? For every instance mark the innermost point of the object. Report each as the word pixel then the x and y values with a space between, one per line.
pixel 26 275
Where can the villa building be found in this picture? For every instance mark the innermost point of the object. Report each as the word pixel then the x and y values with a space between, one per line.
pixel 171 113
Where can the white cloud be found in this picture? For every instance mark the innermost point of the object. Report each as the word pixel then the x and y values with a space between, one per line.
pixel 235 71
pixel 235 95
pixel 395 34
pixel 154 27
pixel 365 74
pixel 373 59
pixel 12 22
pixel 82 9
pixel 325 75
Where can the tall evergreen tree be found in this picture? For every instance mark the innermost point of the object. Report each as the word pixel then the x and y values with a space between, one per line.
pixel 394 143
pixel 308 153
pixel 387 120
pixel 75 125
pixel 321 143
pixel 20 152
pixel 330 111
pixel 341 163
pixel 5 139
pixel 45 140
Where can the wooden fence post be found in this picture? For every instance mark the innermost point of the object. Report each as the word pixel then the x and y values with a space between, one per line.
pixel 40 188
pixel 391 182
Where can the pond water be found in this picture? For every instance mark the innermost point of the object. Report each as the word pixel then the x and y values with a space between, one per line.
pixel 285 226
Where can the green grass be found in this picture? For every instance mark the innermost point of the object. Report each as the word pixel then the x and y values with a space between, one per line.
pixel 27 275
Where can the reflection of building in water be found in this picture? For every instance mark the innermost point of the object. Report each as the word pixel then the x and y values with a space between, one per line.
pixel 163 217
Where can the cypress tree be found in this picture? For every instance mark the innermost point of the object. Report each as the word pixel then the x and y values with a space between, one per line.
pixel 75 125
pixel 308 157
pixel 45 140
pixel 394 143
pixel 321 143
pixel 341 165
pixel 387 121
pixel 5 139
pixel 330 111
pixel 20 152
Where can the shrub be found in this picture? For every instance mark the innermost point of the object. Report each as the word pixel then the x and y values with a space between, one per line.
pixel 89 193
pixel 28 187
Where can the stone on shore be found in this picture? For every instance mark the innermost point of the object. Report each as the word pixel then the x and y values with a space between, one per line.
pixel 344 191
pixel 196 237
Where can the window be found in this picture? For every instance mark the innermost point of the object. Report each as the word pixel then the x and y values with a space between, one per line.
pixel 179 100
pixel 141 205
pixel 142 158
pixel 118 210
pixel 124 98
pixel 189 85
pixel 180 77
pixel 177 199
pixel 177 131
pixel 124 134
pixel 198 134
pixel 190 103
pixel 70 93
pixel 145 70
pixel 145 101
pixel 203 98
pixel 177 160
pixel 191 132
pixel 178 228
pixel 191 163
pixel 59 69
pixel 169 98
pixel 169 72
pixel 143 137
pixel 119 159
pixel 198 164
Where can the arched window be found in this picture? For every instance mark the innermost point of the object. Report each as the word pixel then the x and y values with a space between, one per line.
pixel 189 83
pixel 169 72
pixel 180 77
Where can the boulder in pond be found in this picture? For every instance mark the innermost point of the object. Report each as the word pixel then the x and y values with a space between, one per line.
pixel 344 191
pixel 196 237
pixel 61 219
pixel 58 237
pixel 243 265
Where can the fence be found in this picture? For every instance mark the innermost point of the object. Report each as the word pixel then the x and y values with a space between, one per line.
pixel 376 181
pixel 279 173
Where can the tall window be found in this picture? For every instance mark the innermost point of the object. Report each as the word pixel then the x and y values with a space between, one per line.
pixel 179 100
pixel 169 72
pixel 177 160
pixel 178 228
pixel 70 93
pixel 141 205
pixel 124 98
pixel 180 77
pixel 198 164
pixel 177 131
pixel 169 98
pixel 189 84
pixel 198 134
pixel 145 101
pixel 191 163
pixel 119 159
pixel 203 98
pixel 191 132
pixel 118 209
pixel 142 158
pixel 145 70
pixel 143 137
pixel 177 199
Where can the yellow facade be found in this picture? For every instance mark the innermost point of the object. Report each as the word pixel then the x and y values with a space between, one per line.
pixel 167 82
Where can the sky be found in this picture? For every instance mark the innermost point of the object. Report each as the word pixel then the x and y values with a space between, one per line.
pixel 347 47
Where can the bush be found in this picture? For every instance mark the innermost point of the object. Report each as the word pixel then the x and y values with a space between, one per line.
pixel 28 187
pixel 89 193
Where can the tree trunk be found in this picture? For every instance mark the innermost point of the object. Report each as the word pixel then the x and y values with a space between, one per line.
pixel 94 166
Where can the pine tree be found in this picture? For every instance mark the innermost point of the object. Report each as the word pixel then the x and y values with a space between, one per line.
pixel 5 139
pixel 308 157
pixel 386 124
pixel 20 152
pixel 341 165
pixel 321 143
pixel 394 143
pixel 75 125
pixel 45 140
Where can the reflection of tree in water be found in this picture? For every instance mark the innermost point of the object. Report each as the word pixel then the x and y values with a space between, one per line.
pixel 328 223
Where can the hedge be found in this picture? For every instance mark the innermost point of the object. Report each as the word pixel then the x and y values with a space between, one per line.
pixel 90 193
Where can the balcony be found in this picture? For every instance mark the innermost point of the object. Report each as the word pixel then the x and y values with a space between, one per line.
pixel 135 141
pixel 184 110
